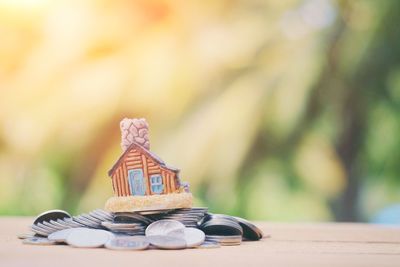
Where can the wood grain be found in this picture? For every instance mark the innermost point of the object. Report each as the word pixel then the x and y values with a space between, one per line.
pixel 288 245
pixel 146 175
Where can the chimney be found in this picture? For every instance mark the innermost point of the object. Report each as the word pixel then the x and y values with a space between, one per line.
pixel 134 130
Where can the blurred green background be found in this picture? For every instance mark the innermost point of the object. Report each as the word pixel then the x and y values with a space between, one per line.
pixel 281 110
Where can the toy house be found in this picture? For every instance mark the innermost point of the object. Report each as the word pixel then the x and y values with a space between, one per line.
pixel 138 172
pixel 140 179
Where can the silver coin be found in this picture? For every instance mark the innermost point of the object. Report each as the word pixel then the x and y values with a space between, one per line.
pixel 91 223
pixel 225 240
pixel 194 237
pixel 121 225
pixel 210 244
pixel 151 212
pixel 221 227
pixel 84 221
pixel 165 227
pixel 166 242
pixel 25 235
pixel 46 228
pixel 43 228
pixel 71 223
pixel 38 241
pixel 250 231
pixel 91 219
pixel 126 228
pixel 128 243
pixel 38 230
pixel 106 213
pixel 59 225
pixel 100 216
pixel 63 223
pixel 224 237
pixel 88 238
pixel 230 244
pixel 51 215
pixel 103 214
pixel 61 236
pixel 237 243
pixel 130 217
pixel 52 226
pixel 128 233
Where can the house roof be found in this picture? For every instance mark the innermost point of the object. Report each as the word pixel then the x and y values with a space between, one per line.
pixel 145 151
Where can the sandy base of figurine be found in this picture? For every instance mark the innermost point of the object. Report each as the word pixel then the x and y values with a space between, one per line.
pixel 146 203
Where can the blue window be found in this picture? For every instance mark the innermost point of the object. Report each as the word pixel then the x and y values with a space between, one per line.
pixel 136 182
pixel 156 184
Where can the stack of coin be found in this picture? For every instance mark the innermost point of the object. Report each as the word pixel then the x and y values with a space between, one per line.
pixel 131 217
pixel 125 228
pixel 93 219
pixel 164 229
pixel 88 238
pixel 50 221
pixel 127 243
pixel 225 240
pixel 218 226
pixel 171 234
pixel 188 217
pixel 218 223
pixel 127 223
pixel 250 231
pixel 56 220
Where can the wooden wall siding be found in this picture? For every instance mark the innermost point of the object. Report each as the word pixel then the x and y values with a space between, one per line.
pixel 134 163
pixel 146 175
pixel 113 185
pixel 164 179
pixel 164 183
pixel 154 170
pixel 114 182
pixel 117 184
pixel 123 181
pixel 115 188
pixel 134 153
pixel 121 187
pixel 120 183
pixel 171 180
pixel 167 182
pixel 151 163
pixel 125 177
pixel 135 159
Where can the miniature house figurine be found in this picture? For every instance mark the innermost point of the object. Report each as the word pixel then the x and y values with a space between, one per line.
pixel 140 179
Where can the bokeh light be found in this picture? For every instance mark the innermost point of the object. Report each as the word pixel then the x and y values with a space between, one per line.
pixel 273 110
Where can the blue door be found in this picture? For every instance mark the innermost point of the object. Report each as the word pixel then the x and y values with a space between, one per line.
pixel 136 182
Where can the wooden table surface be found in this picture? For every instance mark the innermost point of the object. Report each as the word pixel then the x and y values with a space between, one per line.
pixel 288 245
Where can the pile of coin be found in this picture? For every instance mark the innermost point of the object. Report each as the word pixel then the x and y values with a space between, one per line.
pixel 171 234
pixel 228 230
pixel 188 217
pixel 225 240
pixel 172 229
pixel 56 220
pixel 128 223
